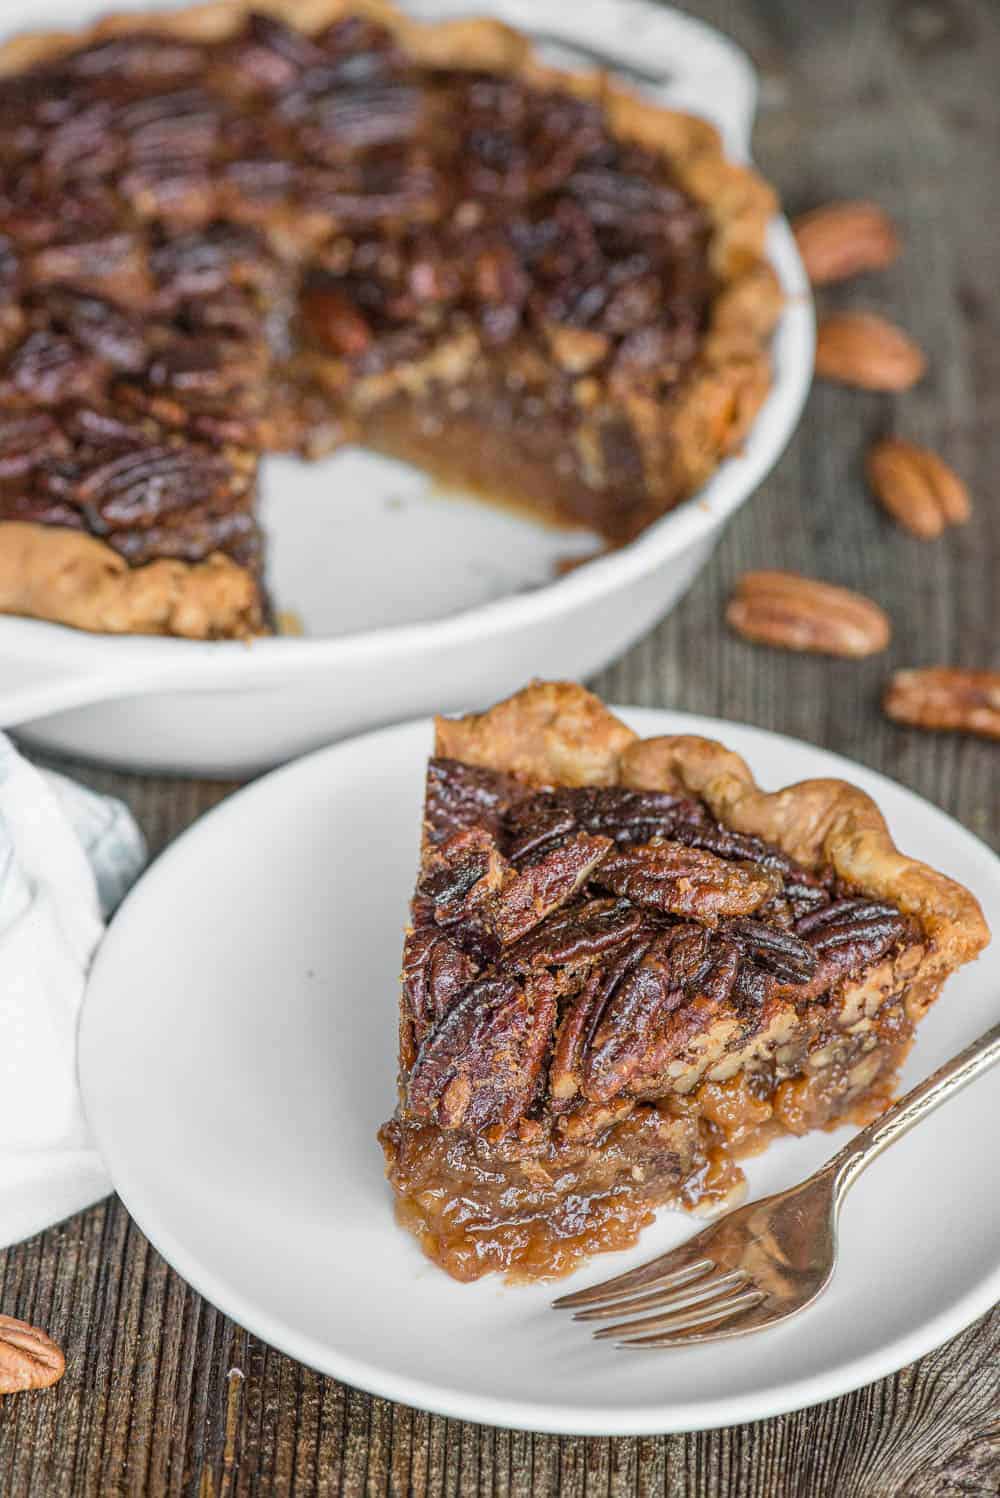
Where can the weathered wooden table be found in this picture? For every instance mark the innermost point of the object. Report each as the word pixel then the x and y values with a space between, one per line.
pixel 163 1394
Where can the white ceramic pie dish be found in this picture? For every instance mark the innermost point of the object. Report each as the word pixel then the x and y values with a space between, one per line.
pixel 424 601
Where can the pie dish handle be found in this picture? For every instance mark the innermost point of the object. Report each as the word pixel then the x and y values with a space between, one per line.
pixel 136 666
pixel 30 690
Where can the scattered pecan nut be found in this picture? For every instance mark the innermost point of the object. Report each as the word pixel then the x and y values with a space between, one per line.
pixel 840 240
pixel 29 1359
pixel 799 613
pixel 917 487
pixel 863 349
pixel 946 697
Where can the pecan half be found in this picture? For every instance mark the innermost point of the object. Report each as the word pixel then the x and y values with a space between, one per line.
pixel 851 934
pixel 29 1359
pixel 575 939
pixel 94 264
pixel 946 697
pixel 677 963
pixel 140 485
pixel 99 327
pixel 583 1015
pixel 136 57
pixel 202 263
pixel 779 952
pixel 863 349
pixel 462 875
pixel 917 487
pixel 529 896
pixel 48 368
pixel 481 1065
pixel 26 439
pixel 842 239
pixel 799 613
pixel 685 881
pixel 435 972
pixel 460 796
pixel 618 812
pixel 349 119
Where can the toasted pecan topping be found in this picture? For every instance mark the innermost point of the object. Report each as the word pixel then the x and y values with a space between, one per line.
pixel 49 368
pixel 516 951
pixel 25 438
pixel 140 485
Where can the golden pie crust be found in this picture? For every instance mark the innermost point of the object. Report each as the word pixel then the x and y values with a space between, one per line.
pixel 79 580
pixel 74 579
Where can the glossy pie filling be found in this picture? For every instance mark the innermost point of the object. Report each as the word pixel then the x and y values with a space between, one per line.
pixel 609 997
pixel 475 1212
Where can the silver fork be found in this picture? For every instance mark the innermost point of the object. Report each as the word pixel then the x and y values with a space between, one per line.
pixel 770 1259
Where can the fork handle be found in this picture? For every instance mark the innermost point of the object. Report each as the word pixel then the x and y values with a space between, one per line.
pixel 929 1094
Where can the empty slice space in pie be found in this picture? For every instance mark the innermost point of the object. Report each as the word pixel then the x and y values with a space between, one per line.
pixel 628 967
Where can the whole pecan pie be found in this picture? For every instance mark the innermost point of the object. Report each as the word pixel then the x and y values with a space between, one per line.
pixel 238 229
pixel 628 966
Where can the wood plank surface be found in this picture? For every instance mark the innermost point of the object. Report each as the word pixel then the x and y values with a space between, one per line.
pixel 163 1395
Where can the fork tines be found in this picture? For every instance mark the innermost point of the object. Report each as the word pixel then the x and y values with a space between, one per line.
pixel 696 1295
pixel 664 1271
pixel 676 1331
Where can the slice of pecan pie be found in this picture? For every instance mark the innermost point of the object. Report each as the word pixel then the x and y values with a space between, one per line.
pixel 243 228
pixel 627 967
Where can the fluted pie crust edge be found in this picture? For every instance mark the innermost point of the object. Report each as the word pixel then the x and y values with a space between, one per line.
pixel 557 733
pixel 96 590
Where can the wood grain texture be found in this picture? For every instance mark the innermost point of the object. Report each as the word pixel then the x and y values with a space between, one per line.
pixel 163 1395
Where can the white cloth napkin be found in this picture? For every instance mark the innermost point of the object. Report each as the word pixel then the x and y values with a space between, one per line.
pixel 67 856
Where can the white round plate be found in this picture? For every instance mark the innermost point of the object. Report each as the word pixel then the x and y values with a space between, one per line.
pixel 238 1053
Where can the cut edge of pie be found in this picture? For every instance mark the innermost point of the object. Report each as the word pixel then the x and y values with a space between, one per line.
pixel 522 1142
pixel 77 579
